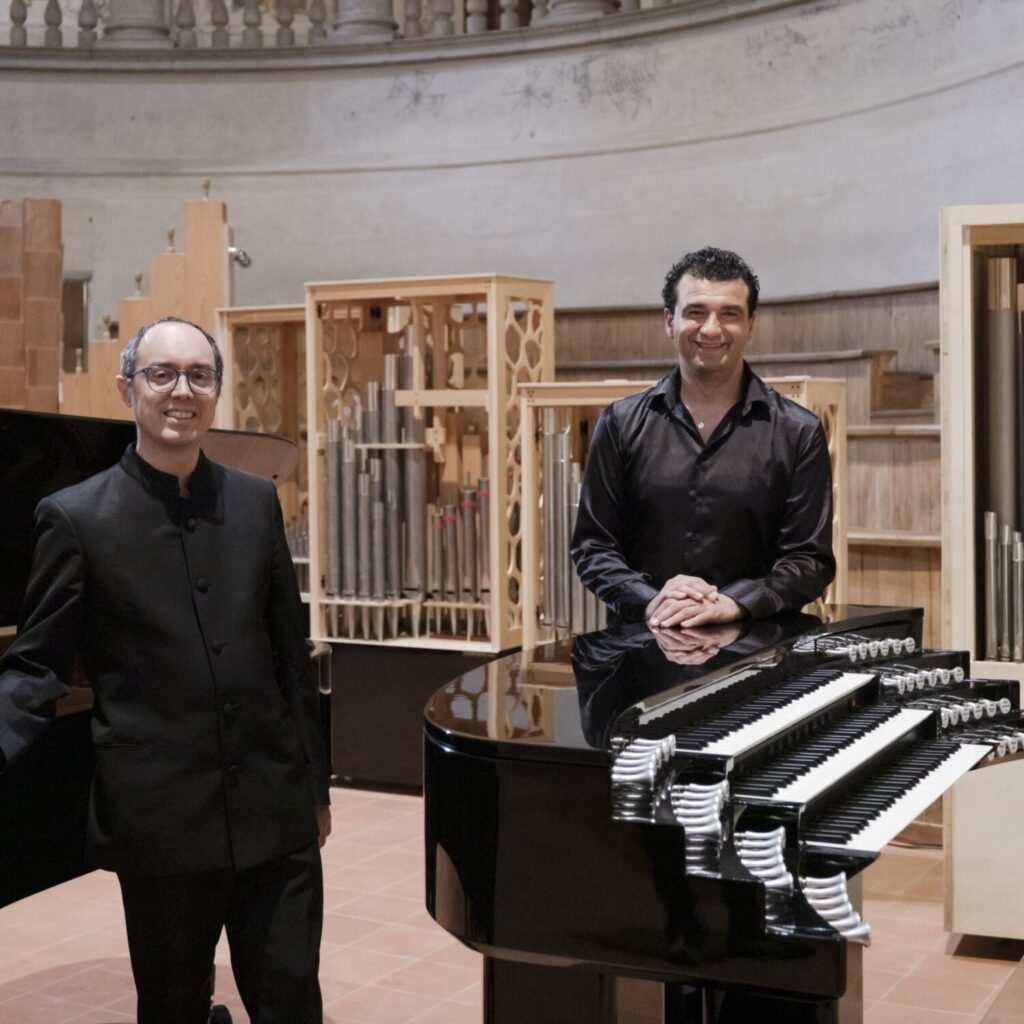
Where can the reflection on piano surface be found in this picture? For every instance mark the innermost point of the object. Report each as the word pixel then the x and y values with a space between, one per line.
pixel 693 823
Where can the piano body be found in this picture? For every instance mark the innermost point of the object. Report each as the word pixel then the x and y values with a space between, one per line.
pixel 700 826
pixel 44 795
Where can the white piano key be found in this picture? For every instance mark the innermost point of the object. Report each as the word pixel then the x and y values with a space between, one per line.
pixel 853 755
pixel 749 735
pixel 906 808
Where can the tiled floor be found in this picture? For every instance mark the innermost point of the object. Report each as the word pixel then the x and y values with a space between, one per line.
pixel 63 957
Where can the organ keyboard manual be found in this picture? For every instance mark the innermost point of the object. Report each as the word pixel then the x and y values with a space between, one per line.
pixel 619 806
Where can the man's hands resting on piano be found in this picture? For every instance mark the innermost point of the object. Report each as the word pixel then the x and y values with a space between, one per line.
pixel 689 601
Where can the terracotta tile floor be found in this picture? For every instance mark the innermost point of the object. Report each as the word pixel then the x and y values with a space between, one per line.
pixel 63 957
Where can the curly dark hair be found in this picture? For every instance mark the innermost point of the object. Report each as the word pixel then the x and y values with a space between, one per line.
pixel 711 264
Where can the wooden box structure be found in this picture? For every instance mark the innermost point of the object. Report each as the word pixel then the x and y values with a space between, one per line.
pixel 264 349
pixel 824 397
pixel 191 284
pixel 982 813
pixel 462 346
pixel 31 321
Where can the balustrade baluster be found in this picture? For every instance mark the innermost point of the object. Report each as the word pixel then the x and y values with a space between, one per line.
pixel 88 19
pixel 135 24
pixel 252 19
pixel 444 25
pixel 476 17
pixel 364 21
pixel 579 10
pixel 509 14
pixel 19 15
pixel 285 16
pixel 629 5
pixel 220 39
pixel 53 17
pixel 317 20
pixel 185 19
pixel 413 12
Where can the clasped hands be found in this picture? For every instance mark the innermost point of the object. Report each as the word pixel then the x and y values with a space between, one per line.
pixel 689 601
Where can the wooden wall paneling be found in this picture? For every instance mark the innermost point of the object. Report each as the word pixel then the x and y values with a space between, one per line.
pixel 899 575
pixel 895 479
pixel 901 319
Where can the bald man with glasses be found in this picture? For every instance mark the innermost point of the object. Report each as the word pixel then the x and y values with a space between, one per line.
pixel 170 577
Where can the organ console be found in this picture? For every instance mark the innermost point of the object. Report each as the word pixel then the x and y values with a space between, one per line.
pixel 596 811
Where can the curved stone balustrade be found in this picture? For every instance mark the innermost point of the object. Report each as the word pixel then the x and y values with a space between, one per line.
pixel 290 24
pixel 819 139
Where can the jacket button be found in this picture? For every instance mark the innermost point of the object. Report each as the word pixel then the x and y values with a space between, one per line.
pixel 202 585
pixel 233 773
pixel 216 646
pixel 230 707
pixel 190 523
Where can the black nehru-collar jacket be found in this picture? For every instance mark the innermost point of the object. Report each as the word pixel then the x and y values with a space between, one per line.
pixel 750 511
pixel 186 615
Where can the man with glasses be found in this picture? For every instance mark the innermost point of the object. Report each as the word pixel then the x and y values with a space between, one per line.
pixel 171 579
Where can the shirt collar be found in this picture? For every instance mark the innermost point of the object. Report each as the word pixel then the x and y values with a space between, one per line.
pixel 166 484
pixel 752 389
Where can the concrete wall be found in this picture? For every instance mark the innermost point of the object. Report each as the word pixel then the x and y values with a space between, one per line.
pixel 818 139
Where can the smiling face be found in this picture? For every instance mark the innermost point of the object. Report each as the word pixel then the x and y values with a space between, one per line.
pixel 710 327
pixel 170 424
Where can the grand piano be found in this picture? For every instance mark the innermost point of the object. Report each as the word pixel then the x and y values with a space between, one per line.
pixel 600 810
pixel 44 795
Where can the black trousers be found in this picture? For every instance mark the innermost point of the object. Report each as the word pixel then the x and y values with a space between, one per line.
pixel 273 917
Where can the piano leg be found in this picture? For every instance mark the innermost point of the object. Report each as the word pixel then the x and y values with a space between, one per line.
pixel 744 1006
pixel 524 993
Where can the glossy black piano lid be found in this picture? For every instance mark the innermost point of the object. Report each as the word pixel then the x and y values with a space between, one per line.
pixel 523 859
pixel 586 683
pixel 39 454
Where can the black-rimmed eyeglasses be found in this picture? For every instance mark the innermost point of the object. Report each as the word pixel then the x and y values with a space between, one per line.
pixel 202 380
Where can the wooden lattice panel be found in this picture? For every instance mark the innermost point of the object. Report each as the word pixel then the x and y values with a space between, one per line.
pixel 264 387
pixel 525 343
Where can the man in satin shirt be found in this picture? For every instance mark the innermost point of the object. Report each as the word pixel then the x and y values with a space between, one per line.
pixel 170 577
pixel 708 497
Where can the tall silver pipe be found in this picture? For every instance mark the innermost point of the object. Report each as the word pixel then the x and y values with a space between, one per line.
pixel 437 561
pixel 414 493
pixel 452 572
pixel 379 567
pixel 991 586
pixel 349 535
pixel 370 426
pixel 332 455
pixel 1018 597
pixel 549 462
pixel 563 531
pixel 470 548
pixel 483 500
pixel 364 533
pixel 392 477
pixel 577 594
pixel 1005 593
pixel 1001 368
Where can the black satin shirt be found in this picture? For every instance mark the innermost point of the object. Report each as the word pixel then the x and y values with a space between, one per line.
pixel 750 511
